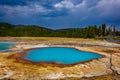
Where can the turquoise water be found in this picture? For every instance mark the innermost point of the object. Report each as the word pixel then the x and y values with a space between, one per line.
pixel 5 46
pixel 59 55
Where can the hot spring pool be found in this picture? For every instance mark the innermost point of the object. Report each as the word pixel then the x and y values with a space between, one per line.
pixel 5 46
pixel 59 55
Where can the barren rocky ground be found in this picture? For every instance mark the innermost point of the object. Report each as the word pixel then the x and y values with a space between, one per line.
pixel 108 67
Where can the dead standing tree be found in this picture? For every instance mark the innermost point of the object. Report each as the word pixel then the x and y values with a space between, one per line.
pixel 111 65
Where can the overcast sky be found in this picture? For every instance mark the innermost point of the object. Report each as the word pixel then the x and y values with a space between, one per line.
pixel 60 13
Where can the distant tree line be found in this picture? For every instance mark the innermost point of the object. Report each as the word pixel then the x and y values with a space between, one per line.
pixel 7 29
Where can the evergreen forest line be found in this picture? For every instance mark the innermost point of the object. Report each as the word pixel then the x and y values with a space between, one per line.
pixel 7 29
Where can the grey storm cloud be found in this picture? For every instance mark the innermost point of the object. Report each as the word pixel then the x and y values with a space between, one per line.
pixel 109 8
pixel 61 13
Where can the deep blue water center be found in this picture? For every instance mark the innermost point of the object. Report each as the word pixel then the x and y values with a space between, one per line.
pixel 60 55
pixel 5 46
